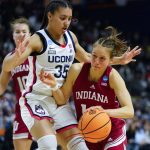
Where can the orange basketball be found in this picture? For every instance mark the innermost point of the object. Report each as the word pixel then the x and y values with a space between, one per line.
pixel 95 125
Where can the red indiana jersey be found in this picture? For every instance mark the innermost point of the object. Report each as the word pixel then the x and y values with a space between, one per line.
pixel 19 76
pixel 89 93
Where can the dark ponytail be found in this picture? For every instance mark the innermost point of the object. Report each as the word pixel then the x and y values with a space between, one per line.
pixel 52 7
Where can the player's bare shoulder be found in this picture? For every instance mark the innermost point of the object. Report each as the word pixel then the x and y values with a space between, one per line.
pixel 115 78
pixel 114 74
pixel 35 42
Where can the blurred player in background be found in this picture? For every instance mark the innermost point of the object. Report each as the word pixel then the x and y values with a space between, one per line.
pixel 22 139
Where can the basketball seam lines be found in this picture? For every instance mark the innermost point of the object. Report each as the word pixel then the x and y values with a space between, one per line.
pixel 80 140
pixel 91 120
pixel 98 128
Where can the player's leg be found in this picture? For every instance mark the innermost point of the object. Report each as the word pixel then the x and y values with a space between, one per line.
pixel 116 140
pixel 44 134
pixel 61 142
pixel 40 128
pixel 22 144
pixel 74 141
pixel 65 124
pixel 22 139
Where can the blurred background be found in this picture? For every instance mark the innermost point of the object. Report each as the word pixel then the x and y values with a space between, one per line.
pixel 131 17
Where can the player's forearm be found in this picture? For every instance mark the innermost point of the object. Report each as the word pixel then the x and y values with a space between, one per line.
pixel 59 97
pixel 11 62
pixel 117 61
pixel 124 112
pixel 85 57
pixel 4 80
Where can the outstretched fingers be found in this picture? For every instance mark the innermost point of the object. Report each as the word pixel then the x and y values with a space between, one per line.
pixel 136 51
pixel 129 55
pixel 22 45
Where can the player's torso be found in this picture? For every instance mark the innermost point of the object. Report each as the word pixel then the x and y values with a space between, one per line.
pixel 53 58
pixel 89 93
pixel 19 77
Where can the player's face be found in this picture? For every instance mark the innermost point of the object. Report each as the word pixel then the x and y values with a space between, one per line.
pixel 100 57
pixel 19 31
pixel 60 20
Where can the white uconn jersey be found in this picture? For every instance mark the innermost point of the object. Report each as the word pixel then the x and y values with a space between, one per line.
pixel 53 58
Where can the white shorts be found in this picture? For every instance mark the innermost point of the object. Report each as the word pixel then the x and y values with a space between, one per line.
pixel 36 109
pixel 63 116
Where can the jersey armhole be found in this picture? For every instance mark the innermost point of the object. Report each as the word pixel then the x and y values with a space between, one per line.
pixel 44 45
pixel 72 40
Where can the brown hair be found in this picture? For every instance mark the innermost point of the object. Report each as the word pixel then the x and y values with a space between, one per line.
pixel 21 20
pixel 110 39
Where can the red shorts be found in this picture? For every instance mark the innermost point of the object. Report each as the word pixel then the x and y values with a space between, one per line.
pixel 115 141
pixel 20 130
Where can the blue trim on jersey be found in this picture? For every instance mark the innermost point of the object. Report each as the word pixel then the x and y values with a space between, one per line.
pixel 65 37
pixel 72 40
pixel 43 40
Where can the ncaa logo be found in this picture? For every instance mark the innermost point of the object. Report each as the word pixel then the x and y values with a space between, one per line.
pixel 49 42
pixel 105 78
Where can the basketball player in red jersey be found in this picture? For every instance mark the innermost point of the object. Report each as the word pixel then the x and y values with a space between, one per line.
pixel 21 138
pixel 96 84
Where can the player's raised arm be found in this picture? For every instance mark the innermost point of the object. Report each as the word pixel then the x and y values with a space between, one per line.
pixel 127 57
pixel 81 54
pixel 4 80
pixel 22 51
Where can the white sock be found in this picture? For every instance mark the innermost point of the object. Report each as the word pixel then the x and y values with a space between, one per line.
pixel 47 142
pixel 77 143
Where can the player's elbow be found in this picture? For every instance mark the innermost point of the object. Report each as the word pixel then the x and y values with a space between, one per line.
pixel 131 112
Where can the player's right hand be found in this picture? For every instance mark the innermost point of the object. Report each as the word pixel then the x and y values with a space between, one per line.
pixel 22 45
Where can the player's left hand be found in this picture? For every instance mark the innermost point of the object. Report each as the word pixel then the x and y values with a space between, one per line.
pixel 128 56
pixel 95 107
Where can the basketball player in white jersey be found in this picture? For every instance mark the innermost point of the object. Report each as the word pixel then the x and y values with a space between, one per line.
pixel 53 49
